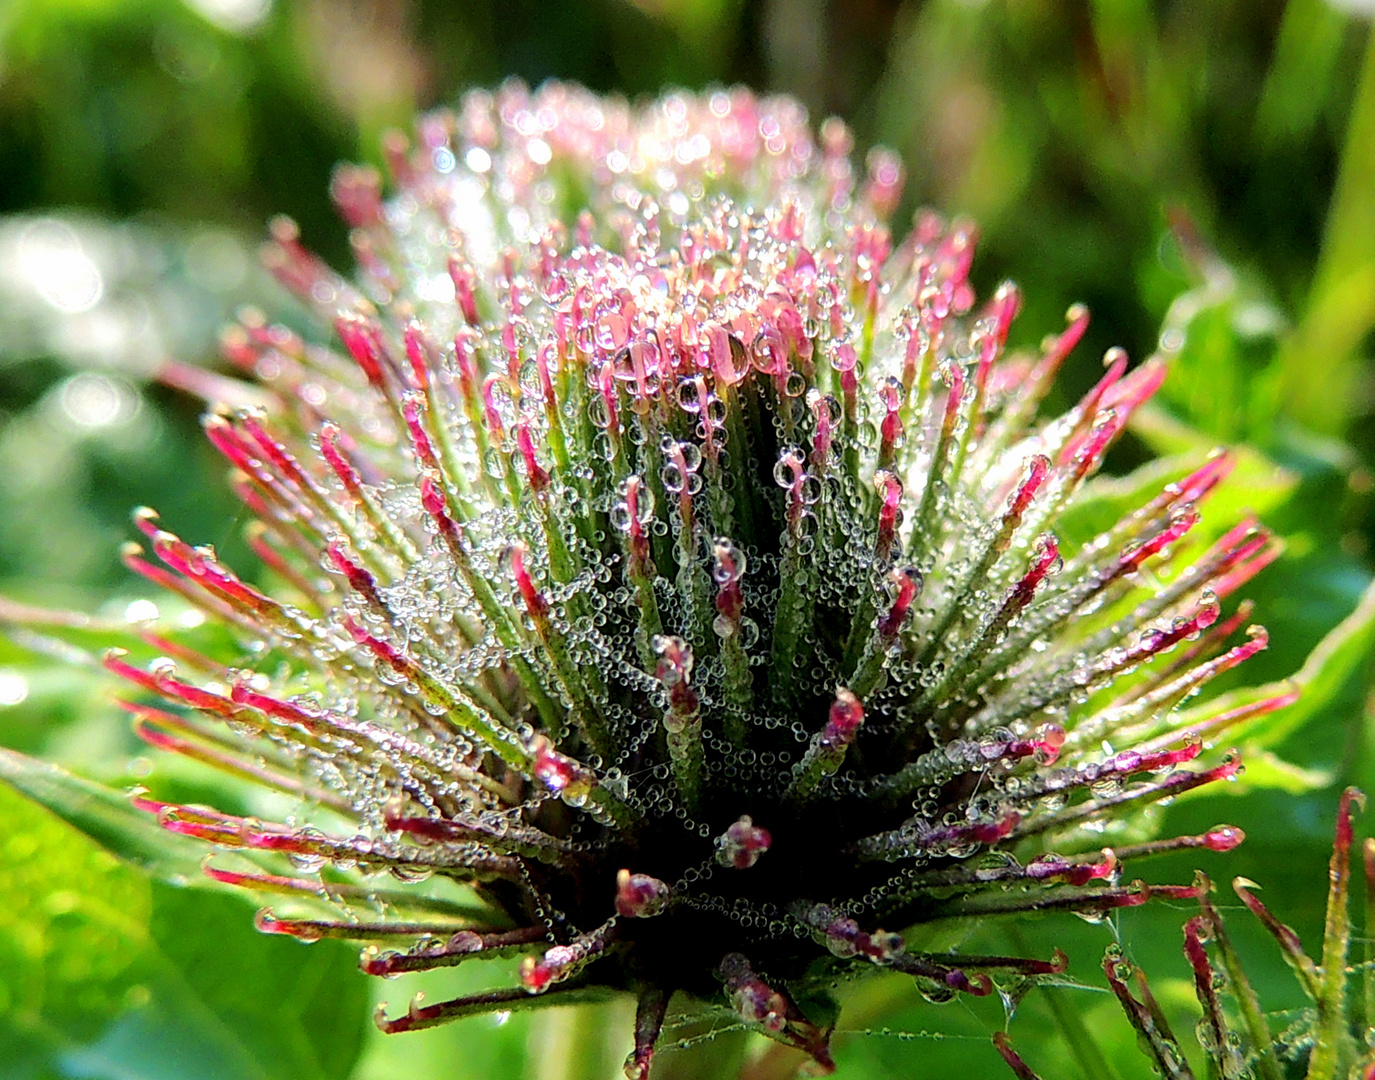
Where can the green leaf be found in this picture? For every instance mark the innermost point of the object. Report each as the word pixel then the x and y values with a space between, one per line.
pixel 1322 680
pixel 108 976
pixel 1265 770
pixel 107 817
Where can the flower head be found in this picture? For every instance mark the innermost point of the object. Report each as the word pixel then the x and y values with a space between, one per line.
pixel 668 556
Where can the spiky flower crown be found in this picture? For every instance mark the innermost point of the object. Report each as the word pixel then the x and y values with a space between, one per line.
pixel 666 557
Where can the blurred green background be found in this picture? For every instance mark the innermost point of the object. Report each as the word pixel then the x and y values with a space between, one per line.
pixel 1119 153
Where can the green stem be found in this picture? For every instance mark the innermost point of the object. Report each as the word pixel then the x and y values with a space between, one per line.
pixel 580 1042
pixel 1077 1037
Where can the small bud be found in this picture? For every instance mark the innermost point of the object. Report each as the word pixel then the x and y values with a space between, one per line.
pixel 742 844
pixel 639 896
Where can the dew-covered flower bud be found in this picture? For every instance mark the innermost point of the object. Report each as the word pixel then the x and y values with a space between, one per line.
pixel 672 553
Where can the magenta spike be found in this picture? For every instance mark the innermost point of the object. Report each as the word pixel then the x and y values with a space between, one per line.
pixel 758 1003
pixel 882 190
pixel 843 721
pixel 502 835
pixel 212 388
pixel 1175 784
pixel 1014 1061
pixel 823 435
pixel 1058 964
pixel 287 712
pixel 201 568
pixel 1253 558
pixel 228 442
pixel 295 267
pixel 1219 1045
pixel 1178 525
pixel 545 358
pixel 1222 838
pixel 420 352
pixel 453 950
pixel 1058 868
pixel 1218 838
pixel 1106 427
pixel 641 565
pixel 741 845
pixel 1159 691
pixel 183 653
pixel 1146 1017
pixel 535 603
pixel 277 563
pixel 272 882
pixel 1198 484
pixel 1043 560
pixel 1215 725
pixel 465 284
pixel 267 922
pixel 333 453
pixel 414 411
pixel 1290 945
pixel 650 1011
pixel 357 194
pixel 1158 642
pixel 561 962
pixel 754 1000
pixel 1207 644
pixel 1002 309
pixel 165 685
pixel 436 505
pixel 1093 426
pixel 464 343
pixel 495 428
pixel 131 557
pixel 361 581
pixel 673 670
pixel 639 896
pixel 1091 899
pixel 559 773
pixel 226 830
pixel 889 513
pixel 237 347
pixel 1122 764
pixel 844 938
pixel 890 430
pixel 537 477
pixel 144 727
pixel 908 582
pixel 954 377
pixel 395 658
pixel 418 1016
pixel 363 339
pixel 1130 393
pixel 276 454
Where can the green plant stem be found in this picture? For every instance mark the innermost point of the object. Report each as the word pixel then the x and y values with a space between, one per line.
pixel 582 1042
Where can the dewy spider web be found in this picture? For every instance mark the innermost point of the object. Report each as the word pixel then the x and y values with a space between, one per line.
pixel 667 557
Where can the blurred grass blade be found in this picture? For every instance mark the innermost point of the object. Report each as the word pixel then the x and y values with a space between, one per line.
pixel 1077 1036
pixel 1299 82
pixel 1321 362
